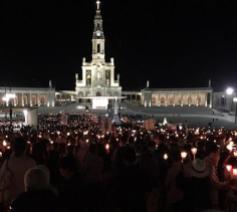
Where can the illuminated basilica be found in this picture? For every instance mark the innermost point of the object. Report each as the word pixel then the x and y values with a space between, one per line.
pixel 98 85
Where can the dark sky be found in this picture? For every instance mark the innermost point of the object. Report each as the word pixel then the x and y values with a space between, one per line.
pixel 180 43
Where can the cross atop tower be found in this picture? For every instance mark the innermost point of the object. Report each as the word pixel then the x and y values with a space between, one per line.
pixel 98 4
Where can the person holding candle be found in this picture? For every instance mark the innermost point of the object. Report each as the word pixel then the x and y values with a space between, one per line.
pixel 215 185
pixel 174 183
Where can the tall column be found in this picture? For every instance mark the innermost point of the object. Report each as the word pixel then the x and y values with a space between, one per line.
pixel 27 99
pixel 30 100
pixel 22 100
pixel 14 101
pixel 38 99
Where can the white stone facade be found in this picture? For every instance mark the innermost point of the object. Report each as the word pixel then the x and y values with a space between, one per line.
pixel 177 97
pixel 28 97
pixel 98 76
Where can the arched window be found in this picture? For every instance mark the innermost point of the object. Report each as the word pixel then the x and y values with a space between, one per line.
pixel 223 101
pixel 98 94
pixel 162 101
pixel 189 100
pixel 171 101
pixel 199 100
pixel 98 48
pixel 88 77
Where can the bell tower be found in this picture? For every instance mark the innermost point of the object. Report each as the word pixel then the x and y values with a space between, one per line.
pixel 98 40
pixel 98 75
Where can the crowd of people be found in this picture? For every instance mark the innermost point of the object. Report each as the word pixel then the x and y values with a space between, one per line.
pixel 132 167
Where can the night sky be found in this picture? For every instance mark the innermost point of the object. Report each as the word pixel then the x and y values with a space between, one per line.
pixel 172 43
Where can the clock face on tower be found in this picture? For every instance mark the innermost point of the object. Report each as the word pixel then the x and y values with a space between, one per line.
pixel 98 33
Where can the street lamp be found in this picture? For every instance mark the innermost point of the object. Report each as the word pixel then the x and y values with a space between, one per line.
pixel 230 91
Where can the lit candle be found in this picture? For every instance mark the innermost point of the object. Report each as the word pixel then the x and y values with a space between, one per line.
pixel 229 147
pixel 107 147
pixel 235 171
pixel 4 143
pixel 194 151
pixel 85 133
pixel 8 147
pixel 228 167
pixel 0 154
pixel 87 141
pixel 165 156
pixel 184 155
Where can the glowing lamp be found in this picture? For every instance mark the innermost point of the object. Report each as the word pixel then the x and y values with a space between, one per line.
pixel 8 96
pixel 229 91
